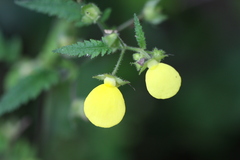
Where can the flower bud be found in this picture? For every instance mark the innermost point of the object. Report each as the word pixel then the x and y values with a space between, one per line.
pixel 139 61
pixel 152 13
pixel 91 13
pixel 112 40
pixel 137 56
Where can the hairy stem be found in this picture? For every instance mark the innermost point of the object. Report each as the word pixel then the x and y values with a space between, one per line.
pixel 118 62
pixel 101 27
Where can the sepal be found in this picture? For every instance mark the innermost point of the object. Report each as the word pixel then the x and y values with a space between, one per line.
pixel 158 55
pixel 119 81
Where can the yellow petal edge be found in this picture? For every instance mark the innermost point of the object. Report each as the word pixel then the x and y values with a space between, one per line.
pixel 162 81
pixel 104 106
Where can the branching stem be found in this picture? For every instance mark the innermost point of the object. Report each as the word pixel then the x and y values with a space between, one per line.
pixel 141 51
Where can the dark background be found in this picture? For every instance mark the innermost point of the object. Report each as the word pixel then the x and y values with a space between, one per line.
pixel 201 122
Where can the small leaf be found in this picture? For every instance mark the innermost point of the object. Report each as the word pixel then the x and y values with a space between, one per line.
pixel 90 48
pixel 68 10
pixel 26 89
pixel 139 33
pixel 106 15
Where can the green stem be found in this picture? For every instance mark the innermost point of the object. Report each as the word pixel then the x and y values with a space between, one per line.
pixel 101 27
pixel 141 51
pixel 118 62
pixel 127 23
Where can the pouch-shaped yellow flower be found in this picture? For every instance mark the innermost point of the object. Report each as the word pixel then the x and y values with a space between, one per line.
pixel 105 106
pixel 162 80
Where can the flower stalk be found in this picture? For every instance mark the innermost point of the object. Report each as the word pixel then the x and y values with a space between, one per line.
pixel 118 62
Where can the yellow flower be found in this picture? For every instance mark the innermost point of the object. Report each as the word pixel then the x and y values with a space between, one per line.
pixel 105 106
pixel 162 80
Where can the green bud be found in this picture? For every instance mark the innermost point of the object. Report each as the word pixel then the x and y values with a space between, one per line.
pixel 152 13
pixel 91 13
pixel 137 56
pixel 112 40
pixel 139 59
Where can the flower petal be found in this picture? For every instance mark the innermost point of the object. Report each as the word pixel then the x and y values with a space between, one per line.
pixel 162 81
pixel 104 106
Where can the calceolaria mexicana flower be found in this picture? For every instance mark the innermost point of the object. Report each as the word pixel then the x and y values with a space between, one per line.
pixel 162 80
pixel 105 106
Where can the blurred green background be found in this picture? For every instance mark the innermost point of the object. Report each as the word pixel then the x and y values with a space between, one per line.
pixel 201 122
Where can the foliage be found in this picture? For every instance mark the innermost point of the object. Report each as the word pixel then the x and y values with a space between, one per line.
pixel 106 14
pixel 68 10
pixel 79 59
pixel 90 48
pixel 26 89
pixel 31 77
pixel 139 33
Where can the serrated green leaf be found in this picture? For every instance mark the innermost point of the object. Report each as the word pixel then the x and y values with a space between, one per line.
pixel 68 10
pixel 139 33
pixel 26 89
pixel 90 48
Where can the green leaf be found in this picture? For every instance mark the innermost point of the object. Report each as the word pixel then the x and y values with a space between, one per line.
pixel 26 89
pixel 68 10
pixel 139 33
pixel 106 14
pixel 90 48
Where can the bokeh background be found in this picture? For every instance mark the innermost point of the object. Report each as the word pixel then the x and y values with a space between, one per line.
pixel 201 122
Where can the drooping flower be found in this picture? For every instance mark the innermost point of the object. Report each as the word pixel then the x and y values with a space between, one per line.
pixel 162 80
pixel 105 106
